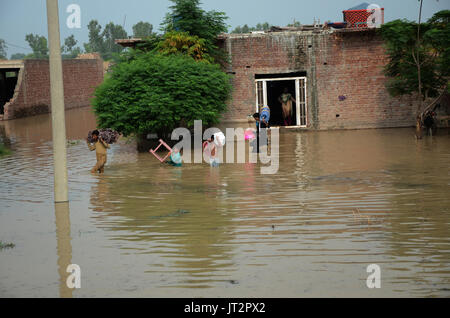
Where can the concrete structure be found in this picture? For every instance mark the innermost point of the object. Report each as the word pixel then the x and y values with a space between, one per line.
pixel 25 85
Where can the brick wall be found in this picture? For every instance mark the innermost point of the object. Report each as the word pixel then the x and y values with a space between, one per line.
pixel 32 94
pixel 336 64
pixel 351 65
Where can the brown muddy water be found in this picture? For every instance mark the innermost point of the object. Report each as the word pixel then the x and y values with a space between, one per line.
pixel 341 200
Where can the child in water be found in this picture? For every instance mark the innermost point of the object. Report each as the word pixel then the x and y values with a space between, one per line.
pixel 210 150
pixel 175 158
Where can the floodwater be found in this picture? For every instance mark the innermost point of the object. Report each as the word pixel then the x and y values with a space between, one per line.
pixel 341 200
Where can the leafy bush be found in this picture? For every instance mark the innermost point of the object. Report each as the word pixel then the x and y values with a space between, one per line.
pixel 181 42
pixel 188 16
pixel 155 93
pixel 406 54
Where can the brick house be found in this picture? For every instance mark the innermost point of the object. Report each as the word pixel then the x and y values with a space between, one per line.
pixel 336 77
pixel 25 85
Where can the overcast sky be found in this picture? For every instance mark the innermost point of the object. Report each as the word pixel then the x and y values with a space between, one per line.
pixel 19 17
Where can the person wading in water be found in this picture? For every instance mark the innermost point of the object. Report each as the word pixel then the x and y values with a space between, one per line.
pixel 100 147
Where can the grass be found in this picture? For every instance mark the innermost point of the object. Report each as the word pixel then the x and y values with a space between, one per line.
pixel 72 142
pixel 4 245
pixel 3 150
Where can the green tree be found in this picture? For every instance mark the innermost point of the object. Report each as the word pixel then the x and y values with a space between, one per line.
pixel 111 33
pixel 246 29
pixel 2 49
pixel 69 47
pixel 157 93
pixel 18 56
pixel 187 16
pixel 237 30
pixel 95 43
pixel 142 29
pixel 418 65
pixel 104 42
pixel 182 43
pixel 38 44
pixel 69 43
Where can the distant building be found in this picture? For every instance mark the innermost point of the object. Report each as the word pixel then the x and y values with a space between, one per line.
pixel 25 85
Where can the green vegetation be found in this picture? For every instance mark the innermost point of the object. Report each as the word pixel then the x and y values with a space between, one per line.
pixel 170 80
pixel 2 49
pixel 142 29
pixel 187 16
pixel 4 150
pixel 151 92
pixel 4 245
pixel 183 43
pixel 419 62
pixel 246 29
pixel 39 46
pixel 72 142
pixel 103 42
pixel 18 56
pixel 260 27
pixel 69 48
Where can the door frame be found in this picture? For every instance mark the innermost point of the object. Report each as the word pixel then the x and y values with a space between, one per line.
pixel 297 96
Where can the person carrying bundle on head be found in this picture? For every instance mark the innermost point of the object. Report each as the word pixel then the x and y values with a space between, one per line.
pixel 100 146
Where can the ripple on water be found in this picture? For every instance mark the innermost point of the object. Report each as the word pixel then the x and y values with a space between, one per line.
pixel 340 201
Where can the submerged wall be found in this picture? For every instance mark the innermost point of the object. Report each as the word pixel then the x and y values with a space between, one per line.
pixel 32 92
pixel 344 70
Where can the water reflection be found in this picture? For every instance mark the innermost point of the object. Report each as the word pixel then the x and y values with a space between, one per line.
pixel 189 225
pixel 340 201
pixel 64 246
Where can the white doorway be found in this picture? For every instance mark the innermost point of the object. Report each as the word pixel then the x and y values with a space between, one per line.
pixel 267 93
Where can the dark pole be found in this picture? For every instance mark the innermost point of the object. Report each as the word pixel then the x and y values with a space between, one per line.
pixel 257 136
pixel 418 57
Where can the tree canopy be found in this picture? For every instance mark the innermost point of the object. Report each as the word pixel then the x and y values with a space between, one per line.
pixel 18 56
pixel 187 16
pixel 38 44
pixel 69 48
pixel 104 42
pixel 246 29
pixel 170 80
pixel 406 54
pixel 157 93
pixel 142 29
pixel 2 49
pixel 182 43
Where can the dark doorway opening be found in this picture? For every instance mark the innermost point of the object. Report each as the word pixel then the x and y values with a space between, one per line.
pixel 8 82
pixel 274 90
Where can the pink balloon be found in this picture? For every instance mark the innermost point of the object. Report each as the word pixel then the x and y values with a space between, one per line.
pixel 248 135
